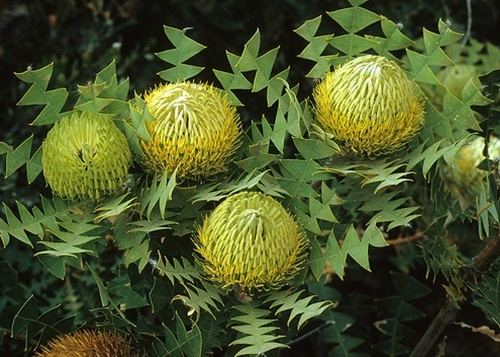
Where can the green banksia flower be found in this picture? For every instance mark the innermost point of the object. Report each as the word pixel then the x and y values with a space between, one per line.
pixel 369 106
pixel 194 129
pixel 250 242
pixel 463 177
pixel 456 77
pixel 86 156
pixel 88 343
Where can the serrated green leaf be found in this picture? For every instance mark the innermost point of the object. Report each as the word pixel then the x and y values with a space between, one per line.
pixel 55 265
pixel 420 69
pixel 313 149
pixel 207 298
pixel 107 73
pixel 14 227
pixel 309 28
pixel 34 166
pixel 356 248
pixel 140 252
pixel 395 39
pixel 320 210
pixel 150 225
pixel 447 35
pixel 219 191
pixel 257 329
pixel 297 176
pixel 256 162
pixel 37 94
pixel 181 271
pixel 384 172
pixel 374 236
pixel 335 333
pixel 332 255
pixel 275 86
pixel 158 194
pixel 113 207
pixel 297 306
pixel 352 44
pixel 62 249
pixel 248 60
pixel 354 19
pixel 437 57
pixel 18 157
pixel 180 72
pixel 184 49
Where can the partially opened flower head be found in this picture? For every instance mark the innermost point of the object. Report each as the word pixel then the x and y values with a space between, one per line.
pixel 85 156
pixel 250 241
pixel 194 129
pixel 462 176
pixel 369 106
pixel 87 343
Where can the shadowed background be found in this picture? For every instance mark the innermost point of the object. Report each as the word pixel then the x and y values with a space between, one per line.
pixel 82 37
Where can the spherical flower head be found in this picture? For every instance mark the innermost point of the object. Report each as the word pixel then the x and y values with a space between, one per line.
pixel 251 242
pixel 463 177
pixel 87 343
pixel 85 156
pixel 369 106
pixel 194 129
pixel 456 77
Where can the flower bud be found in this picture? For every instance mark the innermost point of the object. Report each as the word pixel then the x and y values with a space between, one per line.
pixel 194 129
pixel 87 343
pixel 455 78
pixel 251 242
pixel 369 106
pixel 463 177
pixel 85 156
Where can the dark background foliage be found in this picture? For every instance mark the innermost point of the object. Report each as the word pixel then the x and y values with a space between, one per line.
pixel 82 36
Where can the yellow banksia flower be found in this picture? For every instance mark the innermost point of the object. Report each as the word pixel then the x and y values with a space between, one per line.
pixel 463 177
pixel 85 156
pixel 87 343
pixel 250 241
pixel 369 106
pixel 194 129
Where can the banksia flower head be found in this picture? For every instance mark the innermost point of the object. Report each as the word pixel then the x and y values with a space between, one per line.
pixel 455 78
pixel 86 156
pixel 194 129
pixel 463 177
pixel 250 242
pixel 88 343
pixel 369 106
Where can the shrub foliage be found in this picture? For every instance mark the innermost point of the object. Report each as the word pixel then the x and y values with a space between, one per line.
pixel 126 262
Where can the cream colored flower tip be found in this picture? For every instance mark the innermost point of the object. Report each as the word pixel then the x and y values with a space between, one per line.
pixel 85 156
pixel 250 241
pixel 369 105
pixel 463 177
pixel 194 129
pixel 87 343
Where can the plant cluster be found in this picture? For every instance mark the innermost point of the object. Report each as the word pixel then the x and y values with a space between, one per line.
pixel 204 233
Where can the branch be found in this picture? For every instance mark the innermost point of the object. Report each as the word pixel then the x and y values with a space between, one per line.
pixel 310 333
pixel 479 264
pixel 444 317
pixel 483 261
pixel 403 240
pixel 469 24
